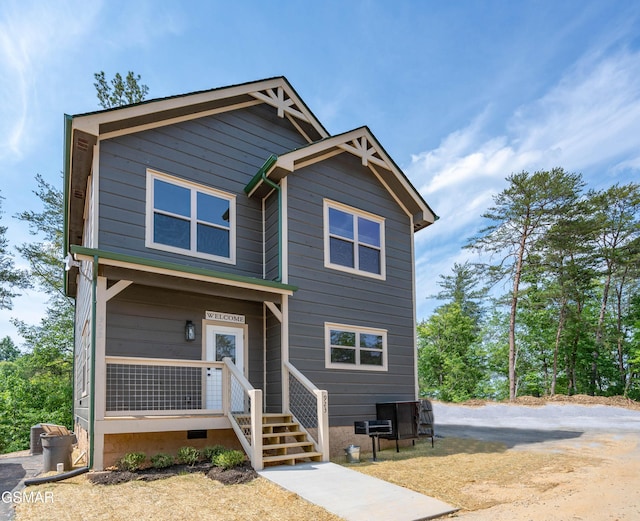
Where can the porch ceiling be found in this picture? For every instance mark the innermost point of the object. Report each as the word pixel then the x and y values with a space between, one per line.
pixel 173 283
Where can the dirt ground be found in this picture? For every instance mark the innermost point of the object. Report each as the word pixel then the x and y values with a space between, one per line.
pixel 605 486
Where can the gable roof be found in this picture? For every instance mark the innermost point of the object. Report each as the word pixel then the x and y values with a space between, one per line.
pixel 276 92
pixel 359 142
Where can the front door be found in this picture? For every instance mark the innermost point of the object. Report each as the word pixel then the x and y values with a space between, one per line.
pixel 223 342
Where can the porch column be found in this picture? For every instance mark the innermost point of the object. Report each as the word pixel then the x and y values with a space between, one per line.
pixel 284 353
pixel 103 295
pixel 100 372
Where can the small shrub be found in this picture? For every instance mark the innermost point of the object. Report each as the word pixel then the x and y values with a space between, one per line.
pixel 188 455
pixel 132 461
pixel 229 459
pixel 210 452
pixel 162 461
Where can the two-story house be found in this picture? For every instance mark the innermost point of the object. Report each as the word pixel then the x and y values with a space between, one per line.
pixel 241 276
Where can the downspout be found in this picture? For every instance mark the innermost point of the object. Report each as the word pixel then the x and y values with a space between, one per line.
pixel 277 188
pixel 92 413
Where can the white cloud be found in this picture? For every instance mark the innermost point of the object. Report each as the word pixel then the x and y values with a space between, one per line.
pixel 589 122
pixel 30 35
pixel 590 118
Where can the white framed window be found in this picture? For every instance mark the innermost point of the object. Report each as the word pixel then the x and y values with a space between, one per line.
pixel 187 218
pixel 353 240
pixel 353 347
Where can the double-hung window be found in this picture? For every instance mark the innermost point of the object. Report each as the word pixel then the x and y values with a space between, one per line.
pixel 353 240
pixel 191 219
pixel 353 347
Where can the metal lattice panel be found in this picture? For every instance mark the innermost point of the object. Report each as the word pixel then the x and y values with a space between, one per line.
pixel 133 387
pixel 303 403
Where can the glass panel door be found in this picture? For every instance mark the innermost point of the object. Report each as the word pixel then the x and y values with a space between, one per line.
pixel 223 342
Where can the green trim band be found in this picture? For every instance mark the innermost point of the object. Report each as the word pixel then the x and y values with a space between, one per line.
pixel 261 174
pixel 101 254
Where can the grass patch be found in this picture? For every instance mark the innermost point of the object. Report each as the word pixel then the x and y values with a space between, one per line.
pixel 194 497
pixel 465 473
pixel 468 474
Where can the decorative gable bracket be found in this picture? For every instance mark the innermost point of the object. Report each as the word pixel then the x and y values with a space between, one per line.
pixel 362 148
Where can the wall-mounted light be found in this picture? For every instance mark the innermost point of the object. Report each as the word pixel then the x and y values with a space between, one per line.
pixel 189 331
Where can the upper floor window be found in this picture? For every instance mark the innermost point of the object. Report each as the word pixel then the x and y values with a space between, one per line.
pixel 353 240
pixel 183 217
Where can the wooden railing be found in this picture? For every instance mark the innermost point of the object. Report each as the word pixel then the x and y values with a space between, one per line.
pixel 243 407
pixel 162 386
pixel 309 406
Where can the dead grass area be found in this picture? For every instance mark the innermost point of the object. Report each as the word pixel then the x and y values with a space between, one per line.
pixel 468 474
pixel 471 474
pixel 194 497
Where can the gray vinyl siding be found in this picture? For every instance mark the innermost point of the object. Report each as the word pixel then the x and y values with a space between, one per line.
pixel 271 258
pixel 83 315
pixel 149 322
pixel 273 387
pixel 223 151
pixel 328 295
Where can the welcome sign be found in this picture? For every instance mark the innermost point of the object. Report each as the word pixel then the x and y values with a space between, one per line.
pixel 224 317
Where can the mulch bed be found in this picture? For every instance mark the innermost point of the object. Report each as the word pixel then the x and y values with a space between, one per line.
pixel 238 475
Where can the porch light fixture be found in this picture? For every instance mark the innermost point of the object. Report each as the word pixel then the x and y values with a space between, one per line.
pixel 189 331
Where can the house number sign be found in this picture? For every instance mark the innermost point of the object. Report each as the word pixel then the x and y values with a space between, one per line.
pixel 224 317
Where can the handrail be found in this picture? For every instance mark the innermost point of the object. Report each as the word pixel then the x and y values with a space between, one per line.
pixel 253 447
pixel 322 409
pixel 303 379
pixel 136 360
pixel 238 374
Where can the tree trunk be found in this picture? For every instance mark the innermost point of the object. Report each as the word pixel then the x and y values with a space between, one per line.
pixel 620 333
pixel 512 319
pixel 561 321
pixel 599 332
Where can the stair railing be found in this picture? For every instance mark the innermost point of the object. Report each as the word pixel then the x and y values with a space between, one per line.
pixel 309 406
pixel 242 404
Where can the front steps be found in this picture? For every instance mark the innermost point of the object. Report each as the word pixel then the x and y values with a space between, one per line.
pixel 284 443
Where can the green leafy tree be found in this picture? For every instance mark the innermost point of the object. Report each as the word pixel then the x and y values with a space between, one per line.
pixel 521 215
pixel 632 320
pixel 448 365
pixel 617 213
pixel 8 350
pixel 10 277
pixel 45 255
pixel 119 91
pixel 462 288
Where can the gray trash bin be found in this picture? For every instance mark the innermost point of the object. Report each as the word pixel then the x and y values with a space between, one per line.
pixel 35 445
pixel 57 449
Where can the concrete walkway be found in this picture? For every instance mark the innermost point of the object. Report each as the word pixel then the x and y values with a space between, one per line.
pixel 354 496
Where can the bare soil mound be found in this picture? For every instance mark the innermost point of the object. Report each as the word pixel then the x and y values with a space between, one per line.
pixel 576 399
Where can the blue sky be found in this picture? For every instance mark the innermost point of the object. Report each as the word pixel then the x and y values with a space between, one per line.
pixel 461 94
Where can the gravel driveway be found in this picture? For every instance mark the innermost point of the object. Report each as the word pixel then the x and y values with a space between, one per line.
pixel 517 425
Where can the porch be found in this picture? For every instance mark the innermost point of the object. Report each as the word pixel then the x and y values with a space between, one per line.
pixel 147 395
